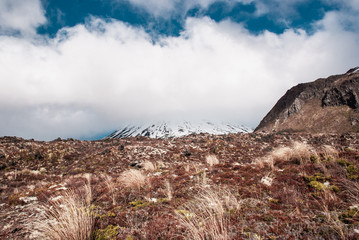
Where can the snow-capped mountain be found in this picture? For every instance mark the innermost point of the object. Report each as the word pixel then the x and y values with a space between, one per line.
pixel 169 129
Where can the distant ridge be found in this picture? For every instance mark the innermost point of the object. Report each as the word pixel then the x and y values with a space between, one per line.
pixel 327 105
pixel 170 129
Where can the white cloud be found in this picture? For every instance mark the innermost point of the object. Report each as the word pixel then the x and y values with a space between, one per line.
pixel 21 15
pixel 350 4
pixel 281 9
pixel 93 78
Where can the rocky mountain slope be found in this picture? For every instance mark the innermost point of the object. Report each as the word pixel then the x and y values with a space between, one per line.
pixel 170 129
pixel 327 105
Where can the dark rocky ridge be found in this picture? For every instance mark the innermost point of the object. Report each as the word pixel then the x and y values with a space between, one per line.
pixel 303 105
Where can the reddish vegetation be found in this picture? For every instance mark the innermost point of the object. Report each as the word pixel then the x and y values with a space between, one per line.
pixel 288 186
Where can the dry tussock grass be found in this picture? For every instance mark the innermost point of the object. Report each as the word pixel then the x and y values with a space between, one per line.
pixel 133 178
pixel 67 218
pixel 350 189
pixel 149 166
pixel 206 217
pixel 325 201
pixel 88 190
pixel 329 151
pixel 302 151
pixel 168 190
pixel 297 150
pixel 110 187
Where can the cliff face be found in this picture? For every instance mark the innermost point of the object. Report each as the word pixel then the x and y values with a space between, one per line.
pixel 328 105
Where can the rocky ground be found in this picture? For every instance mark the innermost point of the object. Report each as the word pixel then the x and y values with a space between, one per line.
pixel 272 186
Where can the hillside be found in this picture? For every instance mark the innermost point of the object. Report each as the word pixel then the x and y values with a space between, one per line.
pixel 236 186
pixel 327 105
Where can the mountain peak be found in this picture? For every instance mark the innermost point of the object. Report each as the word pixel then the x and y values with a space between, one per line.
pixel 170 129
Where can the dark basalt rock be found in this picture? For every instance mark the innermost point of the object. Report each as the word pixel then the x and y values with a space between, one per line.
pixel 135 164
pixel 187 153
pixel 38 156
pixel 341 96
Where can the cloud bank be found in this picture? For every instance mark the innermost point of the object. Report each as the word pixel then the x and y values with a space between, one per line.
pixel 18 16
pixel 93 77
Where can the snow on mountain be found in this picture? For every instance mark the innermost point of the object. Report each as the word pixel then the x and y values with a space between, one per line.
pixel 167 129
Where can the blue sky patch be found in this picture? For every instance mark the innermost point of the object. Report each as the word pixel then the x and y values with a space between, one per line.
pixel 64 13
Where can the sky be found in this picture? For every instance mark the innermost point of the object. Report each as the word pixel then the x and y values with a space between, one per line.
pixel 83 68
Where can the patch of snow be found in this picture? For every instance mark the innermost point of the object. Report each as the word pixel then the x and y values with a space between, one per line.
pixel 267 181
pixel 167 129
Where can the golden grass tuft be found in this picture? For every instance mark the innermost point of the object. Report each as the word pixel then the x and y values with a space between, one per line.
pixel 329 151
pixel 110 187
pixel 68 217
pixel 297 150
pixel 206 217
pixel 149 166
pixel 133 178
pixel 168 190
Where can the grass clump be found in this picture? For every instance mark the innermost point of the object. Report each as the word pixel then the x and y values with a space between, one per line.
pixel 319 177
pixel 314 159
pixel 317 185
pixel 207 216
pixel 350 216
pixel 110 232
pixel 67 218
pixel 321 182
pixel 133 178
pixel 139 204
pixel 352 171
pixel 343 162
